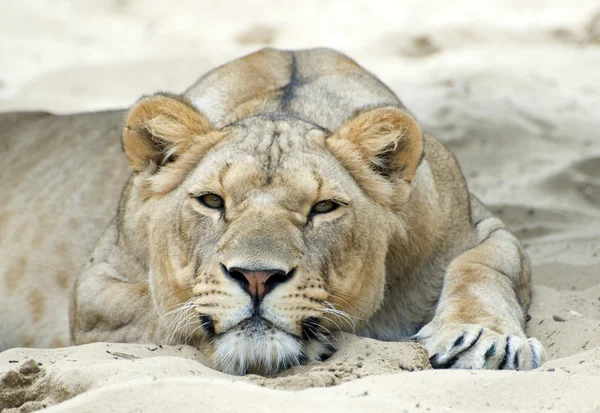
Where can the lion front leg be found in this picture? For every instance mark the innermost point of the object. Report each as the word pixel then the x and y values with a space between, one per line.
pixel 106 307
pixel 479 321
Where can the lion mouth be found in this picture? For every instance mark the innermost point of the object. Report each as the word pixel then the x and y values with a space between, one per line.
pixel 255 324
pixel 257 346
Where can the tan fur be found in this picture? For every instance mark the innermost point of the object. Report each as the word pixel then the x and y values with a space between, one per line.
pixel 408 252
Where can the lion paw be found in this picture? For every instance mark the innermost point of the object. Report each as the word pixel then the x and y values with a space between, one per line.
pixel 471 346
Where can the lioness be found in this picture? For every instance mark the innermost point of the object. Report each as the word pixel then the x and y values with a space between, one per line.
pixel 287 195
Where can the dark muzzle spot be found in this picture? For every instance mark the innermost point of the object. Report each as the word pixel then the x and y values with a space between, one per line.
pixel 208 325
pixel 310 328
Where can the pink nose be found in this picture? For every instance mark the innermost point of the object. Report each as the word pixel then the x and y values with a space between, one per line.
pixel 258 283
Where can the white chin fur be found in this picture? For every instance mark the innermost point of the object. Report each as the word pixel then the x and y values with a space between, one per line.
pixel 266 353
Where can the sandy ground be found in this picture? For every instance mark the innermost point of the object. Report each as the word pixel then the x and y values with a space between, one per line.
pixel 511 86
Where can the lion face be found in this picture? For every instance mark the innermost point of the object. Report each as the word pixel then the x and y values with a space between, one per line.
pixel 261 243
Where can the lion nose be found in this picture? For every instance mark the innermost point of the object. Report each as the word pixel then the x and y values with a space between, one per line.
pixel 258 283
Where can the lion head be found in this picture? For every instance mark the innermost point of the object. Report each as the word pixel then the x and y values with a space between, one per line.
pixel 264 236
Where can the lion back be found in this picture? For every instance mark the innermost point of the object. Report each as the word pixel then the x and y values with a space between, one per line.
pixel 321 86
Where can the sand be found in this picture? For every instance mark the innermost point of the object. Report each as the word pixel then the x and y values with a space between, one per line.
pixel 512 87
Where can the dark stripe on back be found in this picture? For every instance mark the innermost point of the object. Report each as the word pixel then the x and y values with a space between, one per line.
pixel 288 90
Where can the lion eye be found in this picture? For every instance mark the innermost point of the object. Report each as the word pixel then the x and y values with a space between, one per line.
pixel 324 207
pixel 212 201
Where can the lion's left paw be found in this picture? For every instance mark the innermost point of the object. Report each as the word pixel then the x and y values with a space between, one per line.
pixel 471 346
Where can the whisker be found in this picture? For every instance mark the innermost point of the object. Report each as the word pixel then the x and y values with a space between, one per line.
pixel 177 292
pixel 322 336
pixel 350 324
pixel 185 323
pixel 183 318
pixel 173 309
pixel 337 297
pixel 191 334
pixel 341 317
pixel 327 340
pixel 342 313
pixel 331 306
pixel 332 322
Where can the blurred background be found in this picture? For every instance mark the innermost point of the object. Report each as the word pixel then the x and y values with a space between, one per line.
pixel 74 55
pixel 512 86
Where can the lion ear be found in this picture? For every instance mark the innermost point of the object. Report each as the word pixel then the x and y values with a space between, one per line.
pixel 159 128
pixel 387 138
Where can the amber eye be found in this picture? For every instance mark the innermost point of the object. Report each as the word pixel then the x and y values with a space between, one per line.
pixel 212 201
pixel 324 207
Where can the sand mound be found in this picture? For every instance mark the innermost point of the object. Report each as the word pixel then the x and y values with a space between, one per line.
pixel 32 379
pixel 125 378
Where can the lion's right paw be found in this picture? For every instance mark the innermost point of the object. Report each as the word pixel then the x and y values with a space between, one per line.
pixel 471 346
